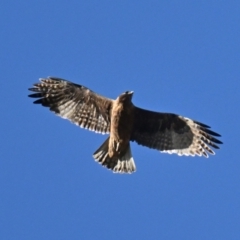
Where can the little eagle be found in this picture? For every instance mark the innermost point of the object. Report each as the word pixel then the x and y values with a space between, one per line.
pixel 124 122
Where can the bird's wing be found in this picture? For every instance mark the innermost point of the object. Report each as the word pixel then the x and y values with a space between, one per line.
pixel 173 134
pixel 74 102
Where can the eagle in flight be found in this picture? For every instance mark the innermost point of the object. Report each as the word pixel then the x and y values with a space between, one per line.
pixel 124 122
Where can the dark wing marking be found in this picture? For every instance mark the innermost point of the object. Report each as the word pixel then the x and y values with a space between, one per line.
pixel 74 102
pixel 173 134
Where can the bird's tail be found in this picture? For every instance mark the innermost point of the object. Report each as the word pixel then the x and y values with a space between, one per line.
pixel 123 164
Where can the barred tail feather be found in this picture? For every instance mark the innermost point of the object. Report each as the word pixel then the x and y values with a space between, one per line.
pixel 123 164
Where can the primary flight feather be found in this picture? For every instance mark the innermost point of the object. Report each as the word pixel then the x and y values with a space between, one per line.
pixel 124 122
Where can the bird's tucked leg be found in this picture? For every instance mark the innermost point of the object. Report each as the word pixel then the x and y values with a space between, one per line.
pixel 123 163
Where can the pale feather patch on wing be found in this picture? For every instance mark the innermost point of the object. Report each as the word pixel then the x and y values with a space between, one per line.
pixel 86 116
pixel 66 110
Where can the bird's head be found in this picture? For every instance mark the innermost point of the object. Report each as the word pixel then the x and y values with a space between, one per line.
pixel 126 96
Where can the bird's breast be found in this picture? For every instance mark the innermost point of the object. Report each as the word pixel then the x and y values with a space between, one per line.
pixel 121 128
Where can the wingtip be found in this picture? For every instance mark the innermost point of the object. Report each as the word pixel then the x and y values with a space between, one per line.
pixel 39 101
pixel 31 95
pixel 201 124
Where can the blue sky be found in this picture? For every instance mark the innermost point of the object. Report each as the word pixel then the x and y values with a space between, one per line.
pixel 177 56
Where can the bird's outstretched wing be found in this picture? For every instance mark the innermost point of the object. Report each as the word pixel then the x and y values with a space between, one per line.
pixel 74 102
pixel 173 134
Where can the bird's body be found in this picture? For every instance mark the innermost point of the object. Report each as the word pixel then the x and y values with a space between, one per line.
pixel 124 122
pixel 122 117
pixel 115 151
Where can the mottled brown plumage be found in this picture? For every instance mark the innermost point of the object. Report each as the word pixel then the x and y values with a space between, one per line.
pixel 124 122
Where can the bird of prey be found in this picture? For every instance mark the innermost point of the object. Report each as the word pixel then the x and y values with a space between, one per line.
pixel 124 122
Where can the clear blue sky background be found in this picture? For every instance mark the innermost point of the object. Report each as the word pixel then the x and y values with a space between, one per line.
pixel 177 56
